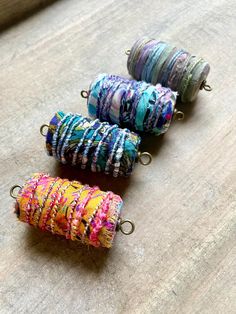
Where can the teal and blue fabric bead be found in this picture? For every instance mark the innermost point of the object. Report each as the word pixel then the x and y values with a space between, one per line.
pixel 99 146
pixel 138 106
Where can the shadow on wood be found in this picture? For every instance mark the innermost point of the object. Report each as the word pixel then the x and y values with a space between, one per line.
pixel 187 108
pixel 105 182
pixel 152 144
pixel 46 246
pixel 14 11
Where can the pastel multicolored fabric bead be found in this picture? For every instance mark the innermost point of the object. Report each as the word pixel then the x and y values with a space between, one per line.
pixel 99 146
pixel 139 106
pixel 68 208
pixel 156 61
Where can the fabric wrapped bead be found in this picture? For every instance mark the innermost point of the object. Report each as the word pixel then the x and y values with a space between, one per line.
pixel 74 139
pixel 139 106
pixel 70 209
pixel 156 61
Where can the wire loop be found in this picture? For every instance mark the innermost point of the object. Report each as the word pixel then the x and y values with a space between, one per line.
pixel 205 86
pixel 84 94
pixel 12 190
pixel 178 115
pixel 127 52
pixel 42 129
pixel 144 158
pixel 122 222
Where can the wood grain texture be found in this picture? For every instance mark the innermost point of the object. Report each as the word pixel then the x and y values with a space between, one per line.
pixel 182 257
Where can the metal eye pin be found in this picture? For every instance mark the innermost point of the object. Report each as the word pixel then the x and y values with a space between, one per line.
pixel 13 190
pixel 84 94
pixel 178 115
pixel 44 129
pixel 205 86
pixel 144 158
pixel 121 226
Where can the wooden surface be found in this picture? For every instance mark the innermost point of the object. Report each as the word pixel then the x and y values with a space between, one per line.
pixel 182 256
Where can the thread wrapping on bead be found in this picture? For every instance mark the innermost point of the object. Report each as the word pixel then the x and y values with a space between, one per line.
pixel 156 61
pixel 99 146
pixel 70 209
pixel 138 106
